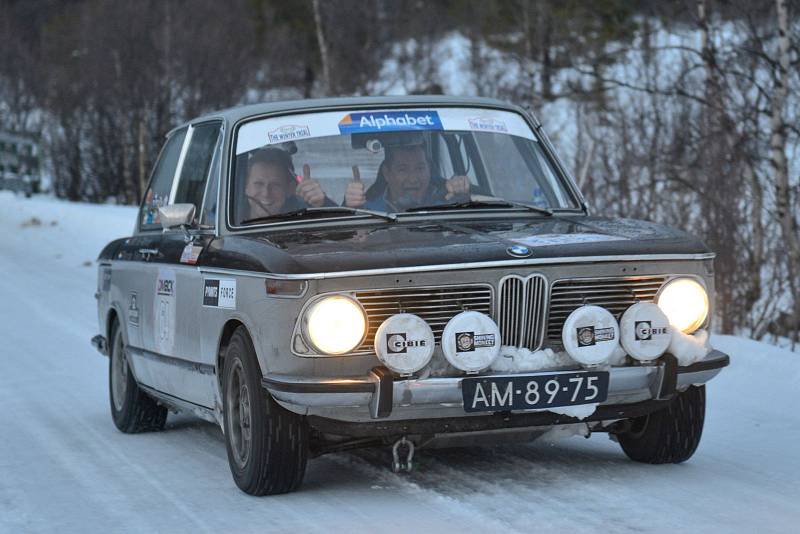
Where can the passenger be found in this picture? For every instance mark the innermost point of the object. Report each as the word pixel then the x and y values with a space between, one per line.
pixel 271 186
pixel 408 183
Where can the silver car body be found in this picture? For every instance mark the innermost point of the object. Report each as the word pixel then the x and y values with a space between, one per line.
pixel 175 342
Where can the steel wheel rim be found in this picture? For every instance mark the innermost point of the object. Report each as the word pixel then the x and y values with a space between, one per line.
pixel 119 374
pixel 239 415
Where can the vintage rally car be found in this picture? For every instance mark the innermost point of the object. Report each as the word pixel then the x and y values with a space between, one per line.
pixel 322 275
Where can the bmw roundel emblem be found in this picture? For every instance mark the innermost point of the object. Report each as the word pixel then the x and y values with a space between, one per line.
pixel 519 251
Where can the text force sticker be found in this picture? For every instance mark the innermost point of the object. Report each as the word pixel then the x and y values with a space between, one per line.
pixel 219 293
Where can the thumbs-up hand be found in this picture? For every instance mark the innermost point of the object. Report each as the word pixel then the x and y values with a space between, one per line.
pixel 310 190
pixel 355 196
pixel 457 186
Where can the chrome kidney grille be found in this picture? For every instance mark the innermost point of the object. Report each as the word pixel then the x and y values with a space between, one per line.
pixel 521 310
pixel 436 305
pixel 614 294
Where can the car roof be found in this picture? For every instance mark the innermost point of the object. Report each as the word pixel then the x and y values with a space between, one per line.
pixel 237 113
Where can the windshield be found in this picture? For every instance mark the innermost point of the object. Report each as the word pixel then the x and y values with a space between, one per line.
pixel 390 161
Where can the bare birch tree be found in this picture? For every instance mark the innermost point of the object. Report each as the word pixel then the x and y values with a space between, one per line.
pixel 786 206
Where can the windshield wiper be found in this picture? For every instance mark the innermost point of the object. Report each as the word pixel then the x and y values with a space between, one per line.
pixel 303 212
pixel 483 204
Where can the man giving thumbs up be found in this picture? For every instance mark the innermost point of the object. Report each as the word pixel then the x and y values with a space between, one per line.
pixel 408 183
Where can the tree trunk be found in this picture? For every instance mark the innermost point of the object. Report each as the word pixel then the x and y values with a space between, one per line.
pixel 141 159
pixel 323 49
pixel 780 168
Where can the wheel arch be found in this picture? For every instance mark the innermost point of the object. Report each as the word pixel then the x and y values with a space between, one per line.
pixel 113 314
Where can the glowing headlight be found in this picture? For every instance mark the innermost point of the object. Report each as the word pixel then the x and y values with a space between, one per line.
pixel 335 325
pixel 685 303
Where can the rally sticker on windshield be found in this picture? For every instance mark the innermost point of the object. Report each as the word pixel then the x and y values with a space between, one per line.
pixel 289 132
pixel 259 133
pixel 389 121
pixel 487 124
pixel 548 240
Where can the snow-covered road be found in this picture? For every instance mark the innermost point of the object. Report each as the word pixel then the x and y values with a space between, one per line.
pixel 64 466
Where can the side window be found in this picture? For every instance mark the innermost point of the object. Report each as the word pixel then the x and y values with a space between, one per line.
pixel 208 215
pixel 157 194
pixel 196 165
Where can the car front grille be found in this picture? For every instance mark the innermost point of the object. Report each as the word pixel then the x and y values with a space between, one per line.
pixel 614 294
pixel 521 310
pixel 436 305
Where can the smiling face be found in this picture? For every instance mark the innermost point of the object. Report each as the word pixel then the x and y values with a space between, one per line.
pixel 408 175
pixel 267 188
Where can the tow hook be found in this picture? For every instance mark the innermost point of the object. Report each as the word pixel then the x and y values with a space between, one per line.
pixel 402 447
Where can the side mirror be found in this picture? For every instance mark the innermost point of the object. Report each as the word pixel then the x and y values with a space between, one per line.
pixel 176 215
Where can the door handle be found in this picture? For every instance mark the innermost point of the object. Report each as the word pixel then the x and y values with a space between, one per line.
pixel 147 252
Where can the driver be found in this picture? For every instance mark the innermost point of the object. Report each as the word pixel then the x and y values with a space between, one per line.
pixel 408 183
pixel 271 186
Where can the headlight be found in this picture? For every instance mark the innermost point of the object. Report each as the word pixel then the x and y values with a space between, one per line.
pixel 335 325
pixel 685 303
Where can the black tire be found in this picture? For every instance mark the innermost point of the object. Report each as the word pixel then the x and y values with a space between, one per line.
pixel 670 435
pixel 132 409
pixel 267 445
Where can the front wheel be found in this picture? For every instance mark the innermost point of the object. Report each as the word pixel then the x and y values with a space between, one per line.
pixel 267 444
pixel 131 408
pixel 670 435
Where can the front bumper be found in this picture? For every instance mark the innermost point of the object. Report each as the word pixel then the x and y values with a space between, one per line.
pixel 380 396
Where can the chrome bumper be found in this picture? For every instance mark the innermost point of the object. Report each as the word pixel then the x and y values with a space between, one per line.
pixel 389 397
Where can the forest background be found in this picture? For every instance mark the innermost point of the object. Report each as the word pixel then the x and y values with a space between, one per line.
pixel 684 112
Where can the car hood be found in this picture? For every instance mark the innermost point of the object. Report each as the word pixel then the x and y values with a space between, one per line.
pixel 435 243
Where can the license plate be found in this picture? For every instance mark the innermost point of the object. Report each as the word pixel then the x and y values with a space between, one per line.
pixel 493 394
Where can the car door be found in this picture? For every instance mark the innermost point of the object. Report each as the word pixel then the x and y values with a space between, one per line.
pixel 183 371
pixel 138 274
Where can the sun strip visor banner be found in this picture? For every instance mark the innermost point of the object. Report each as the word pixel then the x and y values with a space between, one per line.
pixel 257 134
pixel 389 121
